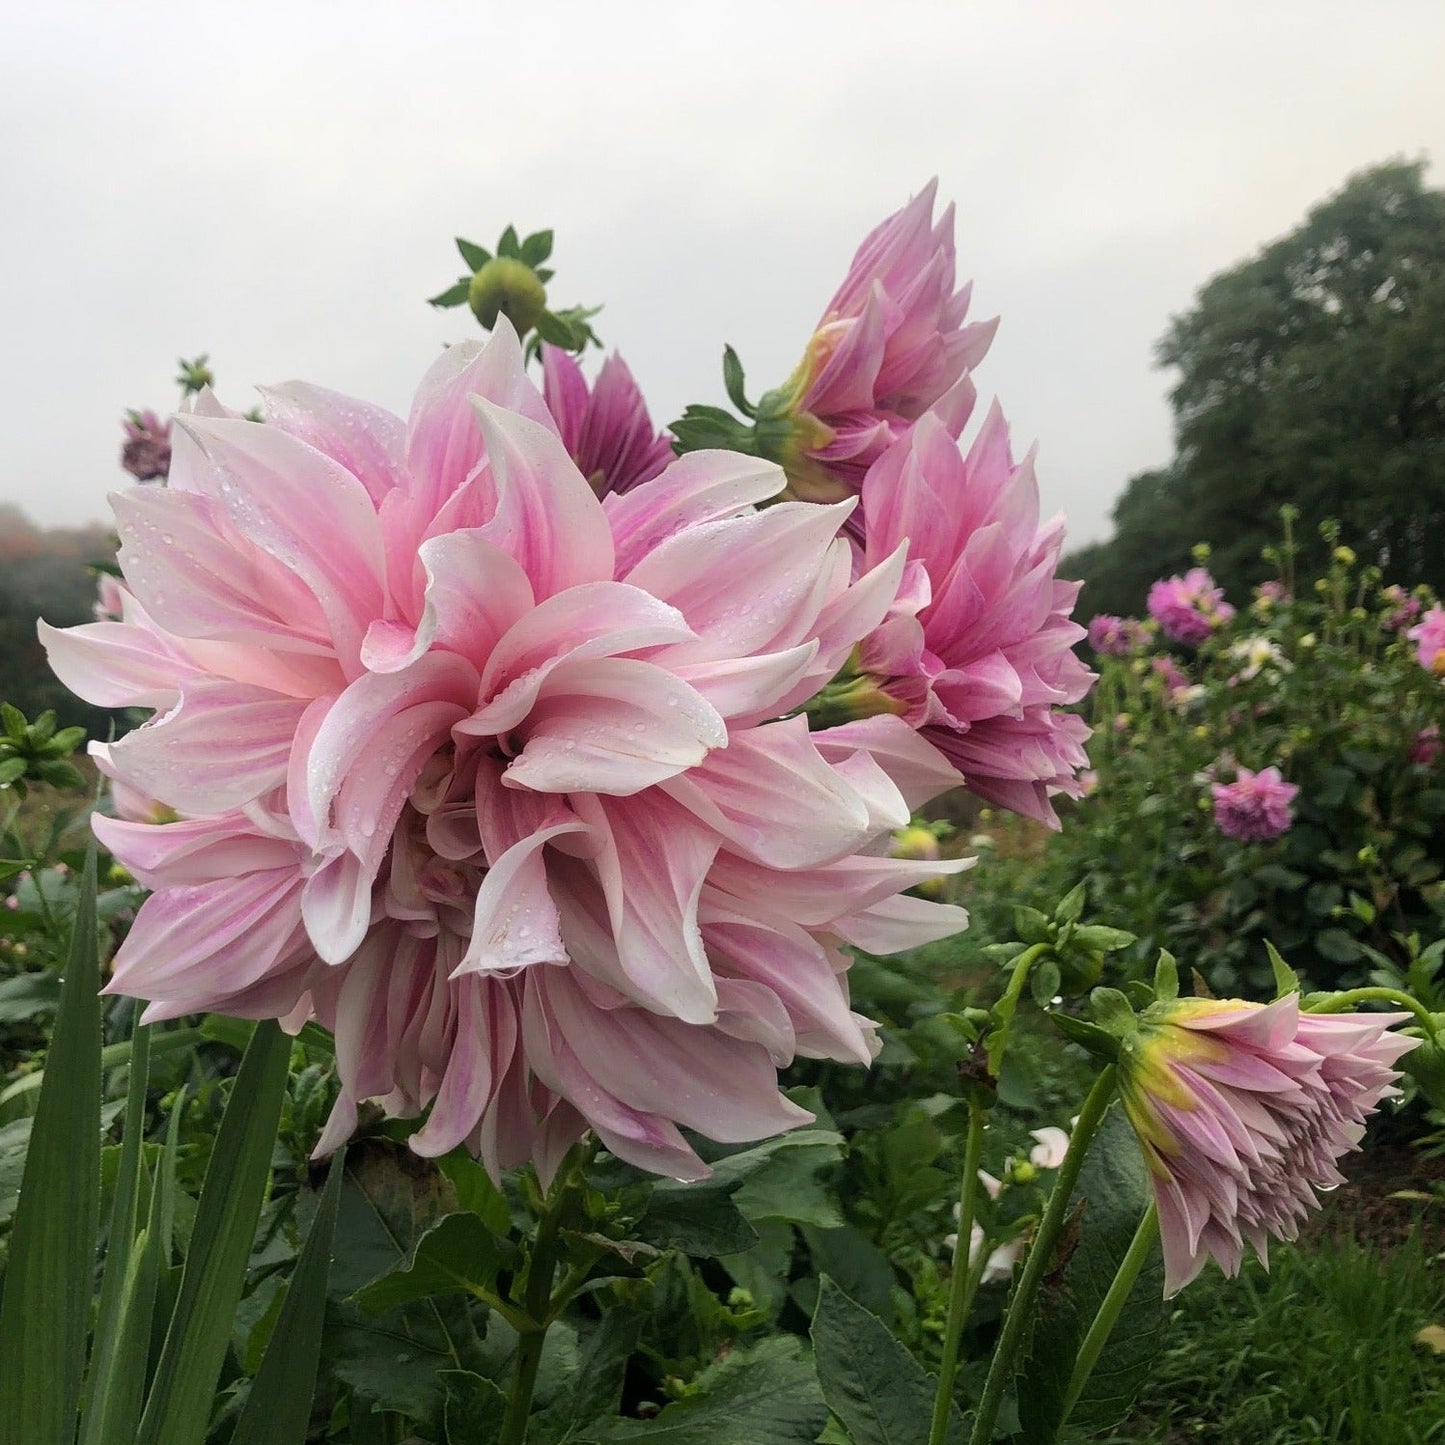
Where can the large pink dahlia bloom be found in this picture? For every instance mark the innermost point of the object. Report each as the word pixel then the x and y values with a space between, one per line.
pixel 1428 635
pixel 1189 608
pixel 1243 1110
pixel 1255 807
pixel 606 428
pixel 891 344
pixel 495 779
pixel 977 652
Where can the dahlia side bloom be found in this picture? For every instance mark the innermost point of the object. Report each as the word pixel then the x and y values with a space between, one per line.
pixel 1169 672
pixel 1428 635
pixel 977 651
pixel 1116 636
pixel 501 782
pixel 146 451
pixel 892 344
pixel 1189 608
pixel 1255 807
pixel 606 429
pixel 1404 607
pixel 1242 1111
pixel 1269 593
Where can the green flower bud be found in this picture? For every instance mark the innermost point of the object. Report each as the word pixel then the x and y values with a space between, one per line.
pixel 507 287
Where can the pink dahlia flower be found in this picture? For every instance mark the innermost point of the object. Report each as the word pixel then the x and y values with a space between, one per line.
pixel 495 779
pixel 1404 607
pixel 892 343
pixel 607 430
pixel 1116 636
pixel 1243 1110
pixel 1255 807
pixel 1426 747
pixel 1189 608
pixel 1170 674
pixel 146 452
pixel 977 652
pixel 1429 638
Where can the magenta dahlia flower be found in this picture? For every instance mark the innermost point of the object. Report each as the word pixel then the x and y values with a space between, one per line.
pixel 1428 635
pixel 1426 747
pixel 1116 636
pixel 1169 672
pixel 1255 807
pixel 606 429
pixel 891 345
pixel 977 651
pixel 1243 1110
pixel 1189 608
pixel 146 451
pixel 501 782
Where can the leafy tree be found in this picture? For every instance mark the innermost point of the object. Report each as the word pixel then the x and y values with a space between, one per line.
pixel 1313 373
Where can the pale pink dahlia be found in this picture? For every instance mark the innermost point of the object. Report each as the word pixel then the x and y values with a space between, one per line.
pixel 495 779
pixel 606 429
pixel 1255 807
pixel 891 345
pixel 1242 1110
pixel 1189 608
pixel 977 651
pixel 1429 638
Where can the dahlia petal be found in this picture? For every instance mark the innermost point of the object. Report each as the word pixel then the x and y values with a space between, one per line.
pixel 916 767
pixel 900 923
pixel 367 440
pixel 116 664
pixel 336 907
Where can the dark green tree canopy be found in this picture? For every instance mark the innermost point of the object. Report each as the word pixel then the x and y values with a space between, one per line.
pixel 1313 373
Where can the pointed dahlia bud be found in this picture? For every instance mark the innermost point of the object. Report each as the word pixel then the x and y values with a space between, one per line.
pixel 1242 1111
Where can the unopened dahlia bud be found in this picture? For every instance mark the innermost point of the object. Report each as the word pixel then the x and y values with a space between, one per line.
pixel 1242 1111
pixel 507 287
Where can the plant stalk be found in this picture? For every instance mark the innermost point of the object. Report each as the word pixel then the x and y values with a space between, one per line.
pixel 1041 1253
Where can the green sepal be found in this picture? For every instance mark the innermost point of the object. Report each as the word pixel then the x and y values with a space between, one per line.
pixel 474 255
pixel 735 382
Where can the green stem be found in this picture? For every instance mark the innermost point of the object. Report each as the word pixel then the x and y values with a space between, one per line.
pixel 519 1402
pixel 1007 1005
pixel 1040 1256
pixel 1109 1311
pixel 959 1294
pixel 1338 1003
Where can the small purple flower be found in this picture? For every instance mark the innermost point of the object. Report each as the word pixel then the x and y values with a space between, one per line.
pixel 1165 668
pixel 1116 636
pixel 146 451
pixel 1404 607
pixel 1255 807
pixel 1429 639
pixel 1189 608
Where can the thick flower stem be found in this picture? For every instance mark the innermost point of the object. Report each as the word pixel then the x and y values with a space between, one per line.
pixel 519 1402
pixel 960 1294
pixel 1109 1310
pixel 1040 1256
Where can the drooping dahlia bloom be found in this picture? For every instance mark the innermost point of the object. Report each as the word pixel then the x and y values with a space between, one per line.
pixel 1243 1110
pixel 891 345
pixel 1428 635
pixel 1189 608
pixel 1116 636
pixel 977 652
pixel 1255 807
pixel 146 451
pixel 606 429
pixel 495 779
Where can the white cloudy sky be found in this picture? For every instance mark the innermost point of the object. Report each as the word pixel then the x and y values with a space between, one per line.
pixel 278 184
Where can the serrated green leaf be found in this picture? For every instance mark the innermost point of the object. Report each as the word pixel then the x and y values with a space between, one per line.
pixel 45 1312
pixel 1114 1187
pixel 458 1255
pixel 278 1409
pixel 179 1405
pixel 475 1407
pixel 594 1390
pixel 870 1382
pixel 767 1395
pixel 474 255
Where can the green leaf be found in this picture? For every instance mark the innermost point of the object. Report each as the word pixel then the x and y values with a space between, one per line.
pixel 537 248
pixel 475 1190
pixel 474 255
pixel 46 1307
pixel 855 1264
pixel 1166 977
pixel 14 722
pixel 767 1395
pixel 1071 906
pixel 1286 980
pixel 1337 945
pixel 556 331
pixel 112 1056
pixel 118 1275
pixel 456 1256
pixel 699 1219
pixel 1114 1189
pixel 278 1409
pixel 28 996
pixel 711 426
pixel 870 1382
pixel 179 1404
pixel 788 1185
pixel 475 1407
pixel 735 382
pixel 594 1391
pixel 453 295
pixel 509 245
pixel 1044 980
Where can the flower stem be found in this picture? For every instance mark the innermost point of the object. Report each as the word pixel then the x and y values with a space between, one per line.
pixel 960 1294
pixel 1041 1253
pixel 1338 1003
pixel 1109 1310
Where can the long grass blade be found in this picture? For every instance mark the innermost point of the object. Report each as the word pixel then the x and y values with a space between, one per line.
pixel 179 1405
pixel 46 1307
pixel 279 1408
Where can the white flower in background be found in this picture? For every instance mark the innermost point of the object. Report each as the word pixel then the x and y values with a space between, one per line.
pixel 1257 653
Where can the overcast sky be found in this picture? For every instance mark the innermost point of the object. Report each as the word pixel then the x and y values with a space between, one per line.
pixel 278 185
